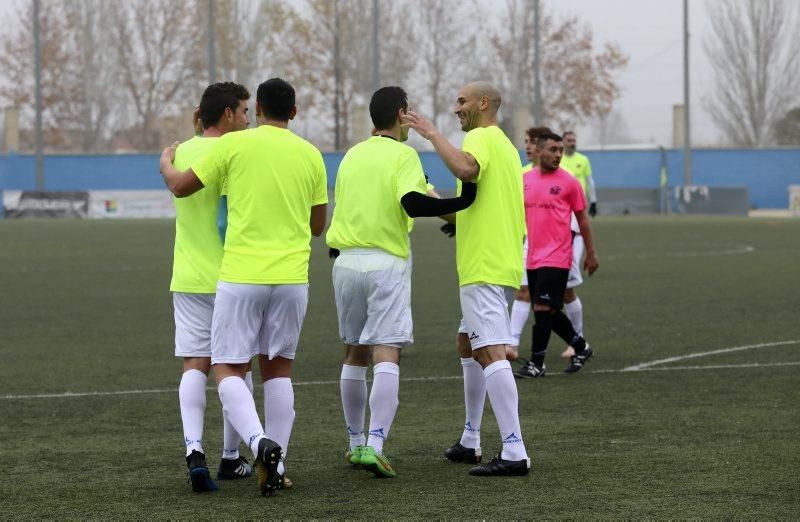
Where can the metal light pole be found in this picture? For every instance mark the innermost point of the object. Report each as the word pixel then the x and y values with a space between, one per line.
pixel 687 135
pixel 537 77
pixel 212 54
pixel 37 44
pixel 376 51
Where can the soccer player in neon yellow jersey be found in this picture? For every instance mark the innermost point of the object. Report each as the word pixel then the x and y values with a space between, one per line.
pixel 579 166
pixel 489 236
pixel 277 198
pixel 380 188
pixel 198 253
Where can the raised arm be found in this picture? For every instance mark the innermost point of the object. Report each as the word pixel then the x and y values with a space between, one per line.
pixel 462 165
pixel 420 205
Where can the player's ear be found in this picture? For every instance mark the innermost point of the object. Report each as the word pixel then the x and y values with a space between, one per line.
pixel 293 113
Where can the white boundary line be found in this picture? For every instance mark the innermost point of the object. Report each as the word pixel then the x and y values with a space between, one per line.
pixel 735 249
pixel 643 367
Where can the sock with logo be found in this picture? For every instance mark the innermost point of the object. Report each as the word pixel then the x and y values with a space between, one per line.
pixel 353 388
pixel 574 311
pixel 563 328
pixel 279 411
pixel 231 439
pixel 383 401
pixel 541 336
pixel 520 311
pixel 474 398
pixel 192 398
pixel 502 391
pixel 238 405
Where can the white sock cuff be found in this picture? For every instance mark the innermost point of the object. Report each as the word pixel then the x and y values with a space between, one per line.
pixel 519 303
pixel 386 367
pixel 573 305
pixel 227 380
pixel 468 361
pixel 277 387
pixel 354 373
pixel 194 373
pixel 496 367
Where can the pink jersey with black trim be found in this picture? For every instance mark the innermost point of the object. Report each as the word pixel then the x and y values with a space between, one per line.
pixel 550 200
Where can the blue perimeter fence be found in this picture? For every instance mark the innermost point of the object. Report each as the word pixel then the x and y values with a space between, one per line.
pixel 766 173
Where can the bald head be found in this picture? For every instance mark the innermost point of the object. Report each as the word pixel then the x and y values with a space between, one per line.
pixel 477 105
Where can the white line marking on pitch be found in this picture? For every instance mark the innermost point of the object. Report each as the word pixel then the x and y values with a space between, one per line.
pixel 643 367
pixel 735 249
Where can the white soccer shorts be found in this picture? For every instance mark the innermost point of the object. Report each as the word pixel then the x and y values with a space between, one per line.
pixel 485 314
pixel 575 274
pixel 373 297
pixel 256 319
pixel 193 324
pixel 524 262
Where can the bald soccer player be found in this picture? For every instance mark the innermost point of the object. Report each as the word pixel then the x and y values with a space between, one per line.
pixel 489 236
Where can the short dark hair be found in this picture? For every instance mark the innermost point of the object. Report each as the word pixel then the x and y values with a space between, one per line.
pixel 547 136
pixel 568 132
pixel 220 96
pixel 534 132
pixel 384 105
pixel 276 97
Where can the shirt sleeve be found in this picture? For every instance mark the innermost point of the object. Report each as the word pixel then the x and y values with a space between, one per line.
pixel 588 166
pixel 320 196
pixel 410 177
pixel 477 146
pixel 212 168
pixel 577 196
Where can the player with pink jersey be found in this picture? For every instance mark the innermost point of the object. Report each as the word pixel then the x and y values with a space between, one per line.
pixel 552 195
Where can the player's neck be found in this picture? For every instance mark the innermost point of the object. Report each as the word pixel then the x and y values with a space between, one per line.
pixel 276 123
pixel 393 133
pixel 212 132
pixel 544 170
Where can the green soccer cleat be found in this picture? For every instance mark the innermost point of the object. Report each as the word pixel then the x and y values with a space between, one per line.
pixel 376 463
pixel 353 456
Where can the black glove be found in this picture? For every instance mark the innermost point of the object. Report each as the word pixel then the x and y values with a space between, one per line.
pixel 592 209
pixel 333 253
pixel 449 229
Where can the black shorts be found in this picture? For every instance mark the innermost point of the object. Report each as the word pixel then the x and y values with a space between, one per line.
pixel 547 286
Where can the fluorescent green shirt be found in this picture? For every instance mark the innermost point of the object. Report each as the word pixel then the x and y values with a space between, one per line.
pixel 490 231
pixel 578 165
pixel 273 178
pixel 373 176
pixel 198 248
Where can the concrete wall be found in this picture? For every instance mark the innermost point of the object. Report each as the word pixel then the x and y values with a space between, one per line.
pixel 766 173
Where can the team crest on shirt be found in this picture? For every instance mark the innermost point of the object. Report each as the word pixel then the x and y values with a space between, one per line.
pixel 555 190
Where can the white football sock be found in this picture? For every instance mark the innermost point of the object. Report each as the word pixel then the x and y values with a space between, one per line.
pixel 502 391
pixel 383 401
pixel 192 397
pixel 231 439
pixel 574 311
pixel 238 406
pixel 353 387
pixel 520 311
pixel 279 411
pixel 474 397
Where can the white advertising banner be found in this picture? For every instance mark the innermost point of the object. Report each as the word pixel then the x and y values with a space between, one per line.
pixel 127 204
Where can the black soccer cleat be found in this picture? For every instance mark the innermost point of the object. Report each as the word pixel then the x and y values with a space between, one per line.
pixel 530 371
pixel 266 466
pixel 577 361
pixel 232 469
pixel 498 467
pixel 199 476
pixel 459 453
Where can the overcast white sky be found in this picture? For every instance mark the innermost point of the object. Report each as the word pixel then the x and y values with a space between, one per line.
pixel 650 33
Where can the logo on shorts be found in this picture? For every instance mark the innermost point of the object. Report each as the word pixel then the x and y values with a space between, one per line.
pixel 544 296
pixel 473 336
pixel 555 190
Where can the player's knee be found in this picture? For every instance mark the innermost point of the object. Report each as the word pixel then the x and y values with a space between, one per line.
pixel 463 346
pixel 537 307
pixel 275 367
pixel 202 364
pixel 570 295
pixel 356 355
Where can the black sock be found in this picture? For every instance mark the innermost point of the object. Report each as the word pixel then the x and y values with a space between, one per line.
pixel 563 328
pixel 541 336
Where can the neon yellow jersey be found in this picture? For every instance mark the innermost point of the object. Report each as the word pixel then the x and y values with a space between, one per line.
pixel 578 165
pixel 198 248
pixel 373 176
pixel 490 231
pixel 273 179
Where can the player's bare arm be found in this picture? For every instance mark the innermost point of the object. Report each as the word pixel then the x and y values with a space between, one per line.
pixel 319 217
pixel 181 184
pixel 590 264
pixel 461 164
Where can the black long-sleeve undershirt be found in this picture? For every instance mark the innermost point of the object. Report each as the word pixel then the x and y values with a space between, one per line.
pixel 421 205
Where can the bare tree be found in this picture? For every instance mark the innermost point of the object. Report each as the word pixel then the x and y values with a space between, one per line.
pixel 578 81
pixel 755 55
